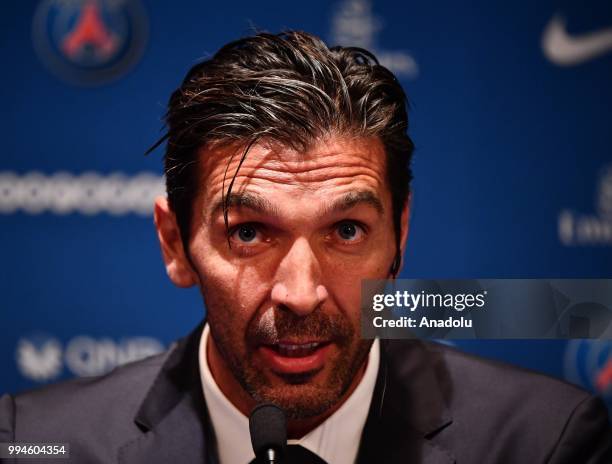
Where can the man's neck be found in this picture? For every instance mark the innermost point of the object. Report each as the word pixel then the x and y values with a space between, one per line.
pixel 244 402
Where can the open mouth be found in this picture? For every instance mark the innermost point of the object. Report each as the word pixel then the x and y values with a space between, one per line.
pixel 295 358
pixel 291 350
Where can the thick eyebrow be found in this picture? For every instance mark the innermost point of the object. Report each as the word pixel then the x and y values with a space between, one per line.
pixel 246 200
pixel 263 206
pixel 353 199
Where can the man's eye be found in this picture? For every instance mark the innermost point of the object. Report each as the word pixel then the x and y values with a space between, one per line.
pixel 350 232
pixel 246 233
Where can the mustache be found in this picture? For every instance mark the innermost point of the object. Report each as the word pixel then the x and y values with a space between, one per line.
pixel 278 324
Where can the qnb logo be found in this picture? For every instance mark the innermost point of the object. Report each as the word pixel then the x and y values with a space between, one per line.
pixel 42 358
pixel 89 42
pixel 354 24
pixel 588 363
pixel 590 229
pixel 88 357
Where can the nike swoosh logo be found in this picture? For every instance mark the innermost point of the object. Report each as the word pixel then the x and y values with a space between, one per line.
pixel 569 50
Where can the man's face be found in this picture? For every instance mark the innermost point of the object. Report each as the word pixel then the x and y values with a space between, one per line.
pixel 284 300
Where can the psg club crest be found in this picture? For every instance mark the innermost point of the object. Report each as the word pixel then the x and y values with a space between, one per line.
pixel 90 42
pixel 589 363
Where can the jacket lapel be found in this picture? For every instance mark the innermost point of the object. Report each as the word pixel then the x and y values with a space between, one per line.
pixel 408 408
pixel 173 415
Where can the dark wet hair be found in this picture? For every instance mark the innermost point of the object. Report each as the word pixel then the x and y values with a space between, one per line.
pixel 288 88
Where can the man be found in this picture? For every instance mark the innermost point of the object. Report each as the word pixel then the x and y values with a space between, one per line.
pixel 287 169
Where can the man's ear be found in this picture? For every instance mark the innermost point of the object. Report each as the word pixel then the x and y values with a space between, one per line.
pixel 405 226
pixel 178 266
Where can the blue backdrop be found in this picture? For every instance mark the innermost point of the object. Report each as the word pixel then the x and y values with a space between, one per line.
pixel 513 168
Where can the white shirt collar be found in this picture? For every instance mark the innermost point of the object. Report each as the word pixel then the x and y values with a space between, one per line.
pixel 336 440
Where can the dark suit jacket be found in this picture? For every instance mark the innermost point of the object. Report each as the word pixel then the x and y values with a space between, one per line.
pixel 431 405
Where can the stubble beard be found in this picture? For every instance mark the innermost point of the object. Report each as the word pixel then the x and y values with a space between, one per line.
pixel 299 396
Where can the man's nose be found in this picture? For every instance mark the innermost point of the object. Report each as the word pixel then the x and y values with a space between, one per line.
pixel 297 285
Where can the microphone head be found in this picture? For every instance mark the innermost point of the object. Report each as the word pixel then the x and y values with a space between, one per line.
pixel 268 428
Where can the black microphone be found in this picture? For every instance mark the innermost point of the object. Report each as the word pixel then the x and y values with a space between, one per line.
pixel 268 428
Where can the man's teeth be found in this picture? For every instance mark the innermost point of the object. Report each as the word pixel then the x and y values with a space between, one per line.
pixel 305 349
pixel 284 346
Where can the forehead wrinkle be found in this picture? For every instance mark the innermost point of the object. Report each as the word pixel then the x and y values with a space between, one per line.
pixel 303 171
pixel 295 165
pixel 309 179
